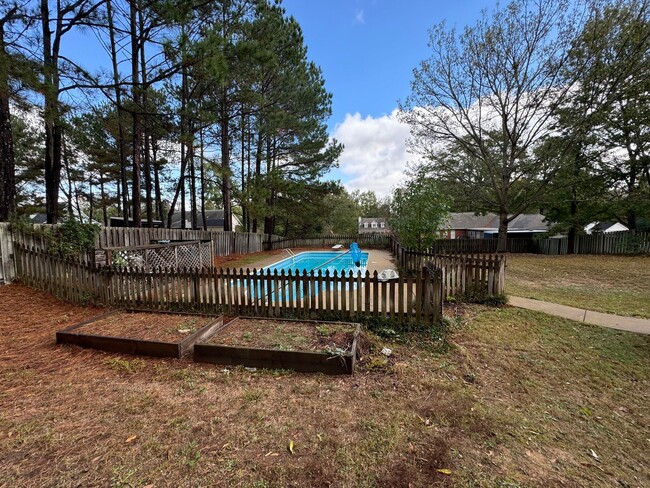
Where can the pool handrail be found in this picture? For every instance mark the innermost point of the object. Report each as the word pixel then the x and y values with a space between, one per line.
pixel 333 259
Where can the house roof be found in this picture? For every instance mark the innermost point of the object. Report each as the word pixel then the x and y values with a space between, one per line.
pixel 529 222
pixel 469 220
pixel 605 227
pixel 370 220
pixel 214 218
pixel 38 218
pixel 41 217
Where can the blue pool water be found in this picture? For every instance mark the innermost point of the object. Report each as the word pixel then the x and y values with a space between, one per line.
pixel 320 261
pixel 301 264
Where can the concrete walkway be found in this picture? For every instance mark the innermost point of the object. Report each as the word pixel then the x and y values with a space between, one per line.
pixel 630 324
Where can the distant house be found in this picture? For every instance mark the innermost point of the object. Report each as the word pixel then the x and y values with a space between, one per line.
pixel 605 227
pixel 472 226
pixel 369 225
pixel 119 222
pixel 214 220
pixel 41 218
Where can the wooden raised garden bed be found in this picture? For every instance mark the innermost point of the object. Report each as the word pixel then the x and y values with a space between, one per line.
pixel 158 334
pixel 305 346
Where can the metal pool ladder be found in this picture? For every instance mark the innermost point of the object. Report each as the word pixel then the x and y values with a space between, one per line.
pixel 289 253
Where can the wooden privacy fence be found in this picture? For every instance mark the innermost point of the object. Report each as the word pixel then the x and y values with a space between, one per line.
pixel 238 292
pixel 460 273
pixel 364 240
pixel 627 242
pixel 223 243
pixel 554 245
pixel 480 246
pixel 630 242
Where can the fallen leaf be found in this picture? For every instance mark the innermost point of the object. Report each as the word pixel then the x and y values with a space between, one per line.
pixel 444 471
pixel 291 447
pixel 131 438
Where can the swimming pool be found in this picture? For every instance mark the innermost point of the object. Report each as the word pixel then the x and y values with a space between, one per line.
pixel 322 261
pixel 301 265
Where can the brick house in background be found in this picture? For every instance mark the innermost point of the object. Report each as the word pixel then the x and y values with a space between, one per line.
pixel 370 225
pixel 469 225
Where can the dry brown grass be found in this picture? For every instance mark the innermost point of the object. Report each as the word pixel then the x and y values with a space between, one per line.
pixel 495 409
pixel 611 284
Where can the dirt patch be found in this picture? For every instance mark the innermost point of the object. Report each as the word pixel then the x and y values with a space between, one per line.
pixel 147 326
pixel 286 336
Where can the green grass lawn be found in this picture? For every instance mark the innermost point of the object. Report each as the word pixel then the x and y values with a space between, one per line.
pixel 611 284
pixel 516 399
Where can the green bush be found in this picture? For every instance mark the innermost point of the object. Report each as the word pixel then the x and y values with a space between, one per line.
pixel 481 296
pixel 72 237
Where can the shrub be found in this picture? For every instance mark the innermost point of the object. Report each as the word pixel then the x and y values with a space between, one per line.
pixel 481 296
pixel 72 237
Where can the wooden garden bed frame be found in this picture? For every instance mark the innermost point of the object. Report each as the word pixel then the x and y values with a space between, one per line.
pixel 301 361
pixel 141 347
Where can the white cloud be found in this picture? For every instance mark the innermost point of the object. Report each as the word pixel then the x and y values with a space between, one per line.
pixel 375 156
pixel 358 18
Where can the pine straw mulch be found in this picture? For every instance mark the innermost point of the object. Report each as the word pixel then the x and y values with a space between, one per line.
pixel 489 409
pixel 147 326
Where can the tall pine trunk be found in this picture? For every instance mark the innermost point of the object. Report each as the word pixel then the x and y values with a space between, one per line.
pixel 225 162
pixel 7 157
pixel 204 220
pixel 137 116
pixel 258 170
pixel 156 179
pixel 52 159
pixel 123 196
pixel 147 156
pixel 190 149
pixel 102 194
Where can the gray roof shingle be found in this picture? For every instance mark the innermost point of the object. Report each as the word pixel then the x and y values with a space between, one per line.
pixel 469 220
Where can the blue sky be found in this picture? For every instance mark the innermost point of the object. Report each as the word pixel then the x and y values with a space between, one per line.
pixel 367 50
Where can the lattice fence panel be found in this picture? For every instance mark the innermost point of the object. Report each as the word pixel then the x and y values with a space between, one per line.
pixel 190 255
pixel 164 257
